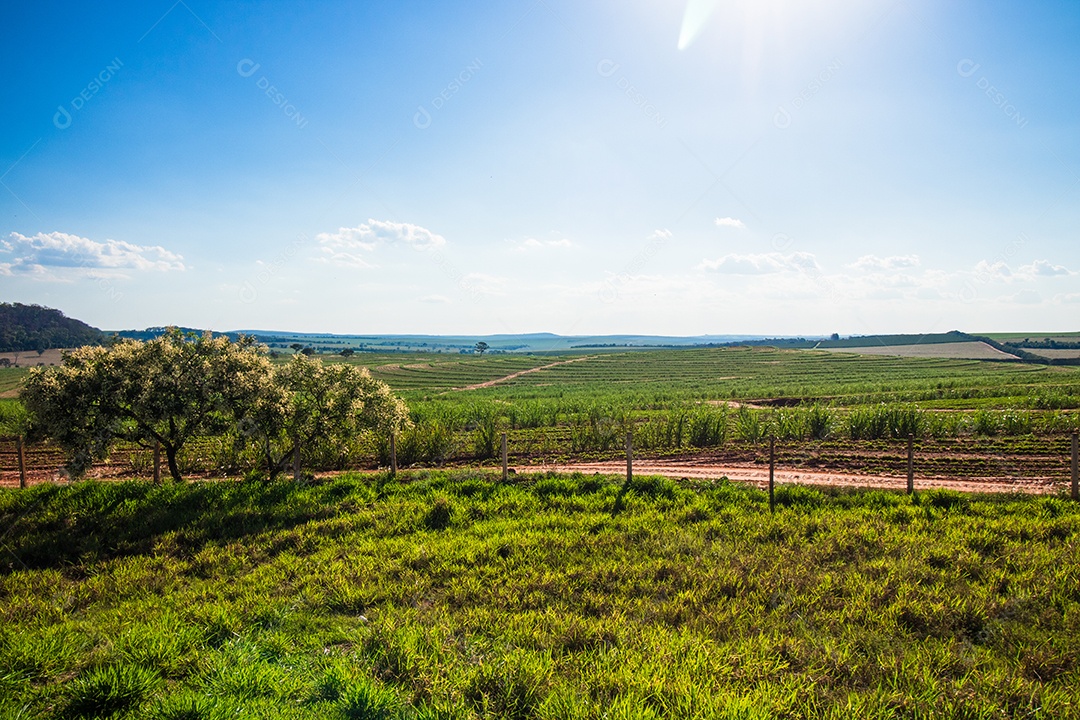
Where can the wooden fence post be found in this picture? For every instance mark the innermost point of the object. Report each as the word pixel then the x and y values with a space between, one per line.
pixel 22 461
pixel 772 471
pixel 910 464
pixel 393 454
pixel 629 458
pixel 157 462
pixel 1075 483
pixel 506 470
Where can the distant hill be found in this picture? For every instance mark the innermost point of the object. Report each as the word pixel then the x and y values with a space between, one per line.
pixel 286 342
pixel 153 332
pixel 33 327
pixel 503 343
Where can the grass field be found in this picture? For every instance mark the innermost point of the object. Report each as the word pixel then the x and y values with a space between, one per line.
pixel 10 379
pixel 725 400
pixel 449 595
pixel 738 373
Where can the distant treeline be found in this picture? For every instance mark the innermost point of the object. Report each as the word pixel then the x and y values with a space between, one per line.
pixel 33 327
pixel 1027 356
pixel 1044 344
pixel 152 333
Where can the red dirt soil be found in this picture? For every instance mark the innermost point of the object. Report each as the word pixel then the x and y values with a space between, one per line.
pixel 759 476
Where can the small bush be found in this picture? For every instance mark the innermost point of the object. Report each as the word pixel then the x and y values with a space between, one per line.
pixel 749 425
pixel 109 689
pixel 366 700
pixel 819 422
pixel 654 486
pixel 507 690
pixel 182 707
pixel 797 496
pixel 942 499
pixel 440 515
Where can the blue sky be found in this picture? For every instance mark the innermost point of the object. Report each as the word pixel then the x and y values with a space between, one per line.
pixel 658 166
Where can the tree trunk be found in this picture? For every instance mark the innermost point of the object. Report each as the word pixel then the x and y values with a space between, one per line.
pixel 170 456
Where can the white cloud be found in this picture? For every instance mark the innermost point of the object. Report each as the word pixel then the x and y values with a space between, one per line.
pixel 345 247
pixel 999 271
pixel 49 253
pixel 435 299
pixel 1025 297
pixel 730 222
pixel 1043 268
pixel 529 244
pixel 761 264
pixel 479 283
pixel 987 272
pixel 872 263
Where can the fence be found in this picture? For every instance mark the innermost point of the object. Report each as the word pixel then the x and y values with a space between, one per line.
pixel 49 457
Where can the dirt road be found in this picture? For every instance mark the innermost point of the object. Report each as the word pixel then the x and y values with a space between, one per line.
pixel 511 376
pixel 759 476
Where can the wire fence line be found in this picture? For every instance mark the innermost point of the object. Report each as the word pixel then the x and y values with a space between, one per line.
pixel 23 464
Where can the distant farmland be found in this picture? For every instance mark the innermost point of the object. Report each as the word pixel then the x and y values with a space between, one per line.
pixel 957 350
pixel 1055 354
pixel 30 358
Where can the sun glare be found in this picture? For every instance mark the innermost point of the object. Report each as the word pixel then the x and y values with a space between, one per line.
pixel 697 12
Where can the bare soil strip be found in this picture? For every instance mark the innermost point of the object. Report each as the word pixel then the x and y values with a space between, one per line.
pixel 30 358
pixel 759 476
pixel 683 469
pixel 973 350
pixel 511 376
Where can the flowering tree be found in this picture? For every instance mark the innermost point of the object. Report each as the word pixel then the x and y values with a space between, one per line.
pixel 166 390
pixel 309 403
pixel 180 386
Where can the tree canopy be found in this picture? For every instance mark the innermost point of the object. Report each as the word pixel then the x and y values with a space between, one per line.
pixel 309 401
pixel 33 327
pixel 179 386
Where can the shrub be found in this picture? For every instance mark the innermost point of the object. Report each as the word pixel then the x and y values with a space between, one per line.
pixel 749 425
pixel 819 422
pixel 109 689
pixel 440 515
pixel 366 700
pixel 797 495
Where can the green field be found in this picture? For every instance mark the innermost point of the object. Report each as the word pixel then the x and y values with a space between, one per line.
pixel 726 400
pixel 453 596
pixel 1020 337
pixel 738 373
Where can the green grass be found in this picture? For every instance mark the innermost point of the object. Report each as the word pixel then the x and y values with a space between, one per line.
pixel 452 595
pixel 738 373
pixel 11 378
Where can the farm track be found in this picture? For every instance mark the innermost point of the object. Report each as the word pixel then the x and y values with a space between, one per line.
pixel 515 375
pixel 759 476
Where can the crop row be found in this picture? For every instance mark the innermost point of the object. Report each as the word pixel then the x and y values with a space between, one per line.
pixel 666 376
